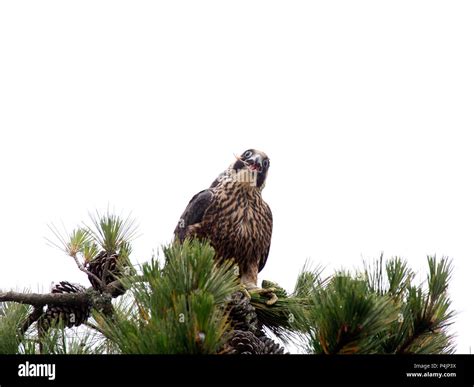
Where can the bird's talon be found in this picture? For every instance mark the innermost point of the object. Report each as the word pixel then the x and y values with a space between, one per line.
pixel 245 292
pixel 270 292
pixel 272 300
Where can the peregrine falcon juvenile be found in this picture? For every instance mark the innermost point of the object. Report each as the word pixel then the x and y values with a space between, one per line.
pixel 233 217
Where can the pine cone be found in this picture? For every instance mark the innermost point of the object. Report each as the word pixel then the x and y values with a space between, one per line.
pixel 242 313
pixel 99 264
pixel 247 343
pixel 269 347
pixel 243 343
pixel 69 315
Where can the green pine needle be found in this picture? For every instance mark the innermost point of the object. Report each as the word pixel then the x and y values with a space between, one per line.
pixel 439 276
pixel 89 251
pixel 111 232
pixel 399 276
pixel 72 243
pixel 178 307
pixel 12 315
pixel 345 316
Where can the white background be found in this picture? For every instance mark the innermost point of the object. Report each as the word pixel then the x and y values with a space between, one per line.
pixel 365 109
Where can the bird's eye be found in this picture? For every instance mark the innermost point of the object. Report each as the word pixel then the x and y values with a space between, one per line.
pixel 247 154
pixel 266 163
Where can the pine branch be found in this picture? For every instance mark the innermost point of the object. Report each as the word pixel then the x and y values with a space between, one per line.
pixel 179 307
pixel 109 231
pixel 98 300
pixel 32 318
pixel 117 288
pixel 37 299
pixel 429 313
pixel 404 348
pixel 84 300
pixel 81 267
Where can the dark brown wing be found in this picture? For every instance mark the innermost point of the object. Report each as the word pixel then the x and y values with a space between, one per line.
pixel 267 223
pixel 193 213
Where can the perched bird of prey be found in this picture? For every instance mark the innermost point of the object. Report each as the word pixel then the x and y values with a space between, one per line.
pixel 234 218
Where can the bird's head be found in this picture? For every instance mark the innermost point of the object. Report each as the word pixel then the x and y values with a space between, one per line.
pixel 251 168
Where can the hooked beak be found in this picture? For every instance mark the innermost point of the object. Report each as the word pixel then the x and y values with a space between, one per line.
pixel 255 162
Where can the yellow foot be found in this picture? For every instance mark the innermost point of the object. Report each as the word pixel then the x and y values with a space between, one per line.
pixel 244 290
pixel 267 292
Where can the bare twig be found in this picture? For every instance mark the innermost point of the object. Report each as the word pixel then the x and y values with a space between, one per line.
pixel 83 269
pixel 115 288
pixel 33 317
